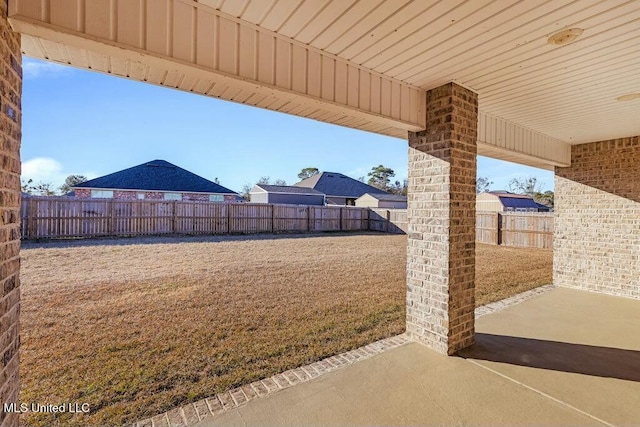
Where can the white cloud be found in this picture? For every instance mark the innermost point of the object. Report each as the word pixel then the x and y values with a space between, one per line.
pixel 33 68
pixel 42 169
pixel 46 169
pixel 357 173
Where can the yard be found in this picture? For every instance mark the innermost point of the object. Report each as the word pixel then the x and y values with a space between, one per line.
pixel 135 327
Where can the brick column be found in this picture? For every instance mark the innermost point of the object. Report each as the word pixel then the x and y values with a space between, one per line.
pixel 441 214
pixel 10 133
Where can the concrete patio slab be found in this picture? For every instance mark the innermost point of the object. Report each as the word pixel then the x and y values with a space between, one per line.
pixel 578 347
pixel 562 358
pixel 410 385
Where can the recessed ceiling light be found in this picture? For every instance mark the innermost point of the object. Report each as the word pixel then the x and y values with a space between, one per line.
pixel 565 36
pixel 628 97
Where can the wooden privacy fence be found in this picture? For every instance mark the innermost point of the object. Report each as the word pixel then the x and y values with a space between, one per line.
pixel 526 229
pixel 57 217
pixel 388 220
pixel 54 217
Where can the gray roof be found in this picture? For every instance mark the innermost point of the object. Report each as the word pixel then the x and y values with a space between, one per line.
pixel 387 197
pixel 156 175
pixel 338 185
pixel 289 189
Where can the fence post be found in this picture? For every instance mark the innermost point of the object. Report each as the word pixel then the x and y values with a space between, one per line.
pixel 229 218
pixel 112 228
pixel 174 220
pixel 193 218
pixel 273 218
pixel 30 219
pixel 368 220
pixel 499 229
pixel 387 222
pixel 308 218
pixel 341 219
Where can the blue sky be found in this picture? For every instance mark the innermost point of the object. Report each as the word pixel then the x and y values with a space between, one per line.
pixel 80 122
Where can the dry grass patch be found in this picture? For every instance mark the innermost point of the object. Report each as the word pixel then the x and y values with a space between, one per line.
pixel 137 327
pixel 502 272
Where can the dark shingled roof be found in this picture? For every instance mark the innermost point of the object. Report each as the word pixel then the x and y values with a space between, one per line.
pixel 518 202
pixel 338 185
pixel 288 189
pixel 157 175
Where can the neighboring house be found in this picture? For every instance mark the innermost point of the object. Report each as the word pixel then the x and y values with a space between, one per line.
pixel 504 201
pixel 285 194
pixel 389 201
pixel 339 189
pixel 155 180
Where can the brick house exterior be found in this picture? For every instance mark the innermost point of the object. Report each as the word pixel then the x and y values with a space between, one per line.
pixel 10 136
pixel 594 249
pixel 597 193
pixel 155 180
pixel 85 193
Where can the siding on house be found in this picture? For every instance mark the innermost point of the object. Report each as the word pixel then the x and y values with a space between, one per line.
pixel 503 201
pixel 286 194
pixel 488 202
pixel 388 201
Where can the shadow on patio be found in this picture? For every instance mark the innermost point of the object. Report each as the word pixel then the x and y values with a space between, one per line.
pixel 603 362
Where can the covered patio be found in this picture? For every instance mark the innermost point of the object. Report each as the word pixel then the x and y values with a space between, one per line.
pixel 549 360
pixel 553 84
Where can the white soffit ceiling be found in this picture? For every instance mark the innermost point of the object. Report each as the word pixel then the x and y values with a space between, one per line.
pixel 497 48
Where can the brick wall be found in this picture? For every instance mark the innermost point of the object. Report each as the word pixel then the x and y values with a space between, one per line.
pixel 151 195
pixel 10 134
pixel 441 222
pixel 597 218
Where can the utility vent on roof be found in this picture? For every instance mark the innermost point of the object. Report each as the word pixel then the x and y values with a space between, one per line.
pixel 155 165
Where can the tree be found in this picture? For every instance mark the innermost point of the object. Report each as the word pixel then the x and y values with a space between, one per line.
pixel 525 185
pixel 27 186
pixel 400 188
pixel 545 198
pixel 483 184
pixel 266 180
pixel 244 193
pixel 72 181
pixel 380 176
pixel 308 173
pixel 44 189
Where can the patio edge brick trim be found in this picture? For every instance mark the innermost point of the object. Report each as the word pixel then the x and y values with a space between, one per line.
pixel 237 397
pixel 511 301
pixel 231 399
